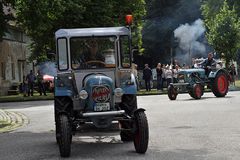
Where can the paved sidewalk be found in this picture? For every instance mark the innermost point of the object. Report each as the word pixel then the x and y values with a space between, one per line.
pixel 10 120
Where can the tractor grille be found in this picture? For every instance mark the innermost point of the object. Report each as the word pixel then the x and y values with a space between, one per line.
pixel 101 94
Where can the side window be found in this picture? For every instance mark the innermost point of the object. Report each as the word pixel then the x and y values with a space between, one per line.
pixel 62 54
pixel 125 52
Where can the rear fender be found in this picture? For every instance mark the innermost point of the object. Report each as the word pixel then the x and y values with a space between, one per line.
pixel 213 74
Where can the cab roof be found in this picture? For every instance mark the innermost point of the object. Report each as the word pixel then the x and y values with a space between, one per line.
pixel 85 32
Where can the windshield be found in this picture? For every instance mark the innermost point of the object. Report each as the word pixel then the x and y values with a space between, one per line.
pixel 92 52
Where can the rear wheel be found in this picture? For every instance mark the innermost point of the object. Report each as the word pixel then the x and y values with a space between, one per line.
pixel 220 85
pixel 197 91
pixel 172 93
pixel 141 135
pixel 65 136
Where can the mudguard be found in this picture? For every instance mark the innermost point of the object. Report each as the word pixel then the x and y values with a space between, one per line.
pixel 130 87
pixel 63 92
pixel 213 74
pixel 139 110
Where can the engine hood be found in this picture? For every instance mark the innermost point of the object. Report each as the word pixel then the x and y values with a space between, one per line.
pixel 97 79
pixel 99 86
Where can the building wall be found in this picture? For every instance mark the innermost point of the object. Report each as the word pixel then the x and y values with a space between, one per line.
pixel 13 59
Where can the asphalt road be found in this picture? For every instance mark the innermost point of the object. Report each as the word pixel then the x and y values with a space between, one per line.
pixel 184 129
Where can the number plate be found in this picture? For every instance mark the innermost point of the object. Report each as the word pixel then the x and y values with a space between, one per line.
pixel 102 107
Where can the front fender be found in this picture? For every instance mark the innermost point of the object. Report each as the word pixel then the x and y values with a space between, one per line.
pixel 63 92
pixel 139 110
pixel 131 87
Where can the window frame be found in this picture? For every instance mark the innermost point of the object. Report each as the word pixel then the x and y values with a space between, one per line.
pixel 121 53
pixel 82 37
pixel 66 54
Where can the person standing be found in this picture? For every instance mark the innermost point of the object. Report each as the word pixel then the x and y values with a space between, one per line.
pixel 147 76
pixel 168 75
pixel 41 86
pixel 232 72
pixel 30 79
pixel 159 76
pixel 163 75
pixel 175 74
pixel 25 86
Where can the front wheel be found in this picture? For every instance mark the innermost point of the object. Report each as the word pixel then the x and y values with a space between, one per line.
pixel 197 91
pixel 172 93
pixel 220 85
pixel 141 135
pixel 65 136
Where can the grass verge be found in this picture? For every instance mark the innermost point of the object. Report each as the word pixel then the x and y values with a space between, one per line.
pixel 20 98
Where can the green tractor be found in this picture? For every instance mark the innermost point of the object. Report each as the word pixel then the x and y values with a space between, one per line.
pixel 193 81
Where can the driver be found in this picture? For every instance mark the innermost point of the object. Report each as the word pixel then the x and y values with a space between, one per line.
pixel 93 54
pixel 208 63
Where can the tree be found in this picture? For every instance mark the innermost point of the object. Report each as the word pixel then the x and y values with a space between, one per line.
pixel 40 19
pixel 6 16
pixel 223 30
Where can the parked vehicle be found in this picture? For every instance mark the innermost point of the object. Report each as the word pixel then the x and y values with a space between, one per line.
pixel 194 82
pixel 94 86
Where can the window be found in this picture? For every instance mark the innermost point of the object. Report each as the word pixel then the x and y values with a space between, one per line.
pixel 125 52
pixel 3 70
pixel 62 54
pixel 13 71
pixel 93 52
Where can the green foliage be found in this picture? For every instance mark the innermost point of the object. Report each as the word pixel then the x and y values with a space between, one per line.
pixel 223 28
pixel 40 19
pixel 5 17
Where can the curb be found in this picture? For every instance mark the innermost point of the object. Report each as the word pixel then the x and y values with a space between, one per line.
pixel 12 120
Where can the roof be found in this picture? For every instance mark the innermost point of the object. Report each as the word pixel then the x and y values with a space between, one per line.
pixel 81 32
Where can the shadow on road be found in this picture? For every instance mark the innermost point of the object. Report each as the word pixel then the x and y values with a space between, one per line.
pixel 27 145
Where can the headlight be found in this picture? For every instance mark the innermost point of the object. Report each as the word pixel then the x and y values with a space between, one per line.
pixel 83 94
pixel 118 92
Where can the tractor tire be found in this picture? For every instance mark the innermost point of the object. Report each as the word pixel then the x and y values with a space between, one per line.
pixel 57 132
pixel 141 135
pixel 220 85
pixel 172 93
pixel 197 91
pixel 65 138
pixel 129 103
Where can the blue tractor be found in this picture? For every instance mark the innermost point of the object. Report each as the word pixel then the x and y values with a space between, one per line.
pixel 194 81
pixel 94 86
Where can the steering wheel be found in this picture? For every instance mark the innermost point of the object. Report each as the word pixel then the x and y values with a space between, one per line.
pixel 96 62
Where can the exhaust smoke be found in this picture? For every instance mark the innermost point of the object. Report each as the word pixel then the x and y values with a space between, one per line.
pixel 191 41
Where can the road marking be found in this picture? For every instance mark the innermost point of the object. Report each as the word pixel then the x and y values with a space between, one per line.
pixel 12 120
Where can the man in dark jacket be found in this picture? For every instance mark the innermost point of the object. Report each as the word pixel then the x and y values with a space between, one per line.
pixel 30 79
pixel 208 63
pixel 147 76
